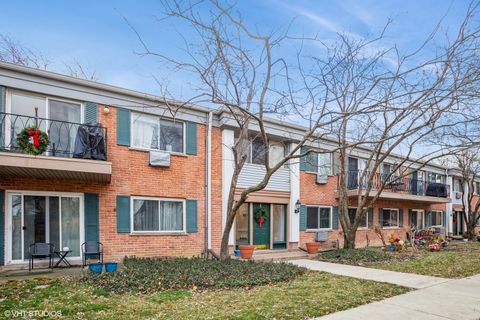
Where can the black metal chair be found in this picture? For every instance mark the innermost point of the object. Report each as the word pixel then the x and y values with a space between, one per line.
pixel 91 248
pixel 40 250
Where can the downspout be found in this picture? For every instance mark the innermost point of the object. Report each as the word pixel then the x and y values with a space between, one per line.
pixel 208 186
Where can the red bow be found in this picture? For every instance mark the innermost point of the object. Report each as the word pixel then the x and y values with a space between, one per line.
pixel 261 221
pixel 35 134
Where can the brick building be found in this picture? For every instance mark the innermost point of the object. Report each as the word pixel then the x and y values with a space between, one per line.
pixel 160 186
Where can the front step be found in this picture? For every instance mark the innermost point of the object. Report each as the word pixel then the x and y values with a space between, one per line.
pixel 280 255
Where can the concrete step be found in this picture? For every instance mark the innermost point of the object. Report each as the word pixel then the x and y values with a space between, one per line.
pixel 280 255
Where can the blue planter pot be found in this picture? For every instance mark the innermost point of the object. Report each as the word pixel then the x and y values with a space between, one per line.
pixel 96 267
pixel 392 248
pixel 111 266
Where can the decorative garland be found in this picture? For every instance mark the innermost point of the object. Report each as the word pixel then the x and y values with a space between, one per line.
pixel 260 216
pixel 33 140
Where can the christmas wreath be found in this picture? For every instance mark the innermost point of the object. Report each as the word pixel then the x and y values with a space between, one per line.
pixel 260 216
pixel 33 140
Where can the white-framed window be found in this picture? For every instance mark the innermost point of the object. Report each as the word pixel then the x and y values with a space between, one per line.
pixel 436 218
pixel 391 218
pixel 157 215
pixel 319 218
pixel 435 177
pixel 153 132
pixel 457 185
pixel 256 152
pixel 364 223
pixel 325 164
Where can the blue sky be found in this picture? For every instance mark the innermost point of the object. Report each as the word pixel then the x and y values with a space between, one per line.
pixel 95 34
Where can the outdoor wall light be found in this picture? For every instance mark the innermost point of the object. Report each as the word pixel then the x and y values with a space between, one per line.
pixel 106 110
pixel 297 206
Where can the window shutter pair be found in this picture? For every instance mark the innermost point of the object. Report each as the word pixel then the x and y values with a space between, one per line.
pixel 123 132
pixel 123 215
pixel 309 162
pixel 91 217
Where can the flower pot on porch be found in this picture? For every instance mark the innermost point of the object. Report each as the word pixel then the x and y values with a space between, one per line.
pixel 246 252
pixel 312 247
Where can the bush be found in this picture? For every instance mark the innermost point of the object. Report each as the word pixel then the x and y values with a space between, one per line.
pixel 355 256
pixel 148 275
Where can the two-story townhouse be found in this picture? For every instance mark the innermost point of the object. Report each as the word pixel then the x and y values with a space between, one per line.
pixel 144 191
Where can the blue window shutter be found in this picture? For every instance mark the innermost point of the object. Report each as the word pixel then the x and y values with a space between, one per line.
pixel 370 218
pixel 335 218
pixel 2 218
pixel 303 160
pixel 123 214
pixel 400 217
pixel 410 217
pixel 91 112
pixel 444 213
pixel 191 139
pixel 303 218
pixel 380 217
pixel 91 217
pixel 123 127
pixel 191 215
pixel 312 162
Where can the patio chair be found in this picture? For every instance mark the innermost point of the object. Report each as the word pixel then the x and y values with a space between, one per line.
pixel 40 250
pixel 91 248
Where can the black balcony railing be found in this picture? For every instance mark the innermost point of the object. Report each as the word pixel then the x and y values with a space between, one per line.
pixel 395 183
pixel 67 139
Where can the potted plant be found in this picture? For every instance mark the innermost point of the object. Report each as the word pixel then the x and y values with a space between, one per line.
pixel 465 236
pixel 246 252
pixel 312 247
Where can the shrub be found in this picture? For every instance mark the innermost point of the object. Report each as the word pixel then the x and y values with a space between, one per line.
pixel 148 275
pixel 355 256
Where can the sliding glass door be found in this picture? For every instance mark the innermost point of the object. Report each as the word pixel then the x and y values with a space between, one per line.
pixel 55 219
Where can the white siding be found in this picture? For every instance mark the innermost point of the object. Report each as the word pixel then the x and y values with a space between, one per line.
pixel 253 174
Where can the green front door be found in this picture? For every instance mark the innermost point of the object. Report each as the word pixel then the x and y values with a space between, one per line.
pixel 261 235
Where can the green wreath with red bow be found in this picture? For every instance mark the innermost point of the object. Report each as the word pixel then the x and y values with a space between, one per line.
pixel 260 216
pixel 33 140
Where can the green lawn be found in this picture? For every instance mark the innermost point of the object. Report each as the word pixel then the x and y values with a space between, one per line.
pixel 458 261
pixel 308 295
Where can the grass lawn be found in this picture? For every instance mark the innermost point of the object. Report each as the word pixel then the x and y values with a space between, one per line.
pixel 458 260
pixel 308 295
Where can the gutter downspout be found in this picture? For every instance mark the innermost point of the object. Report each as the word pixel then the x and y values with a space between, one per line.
pixel 208 185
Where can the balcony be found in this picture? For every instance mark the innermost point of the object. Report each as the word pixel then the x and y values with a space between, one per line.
pixel 76 151
pixel 399 188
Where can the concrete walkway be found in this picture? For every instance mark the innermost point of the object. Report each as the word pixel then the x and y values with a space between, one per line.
pixel 436 299
pixel 410 280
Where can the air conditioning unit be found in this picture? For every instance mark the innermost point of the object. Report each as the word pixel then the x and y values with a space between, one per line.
pixel 159 158
pixel 321 236
pixel 322 179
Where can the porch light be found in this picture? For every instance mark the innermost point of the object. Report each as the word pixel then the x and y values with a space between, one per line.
pixel 106 110
pixel 297 206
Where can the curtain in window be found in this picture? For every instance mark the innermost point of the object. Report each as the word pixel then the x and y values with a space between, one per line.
pixel 325 164
pixel 171 136
pixel 145 215
pixel 276 153
pixel 62 134
pixel 71 224
pixel 324 218
pixel 145 131
pixel 258 151
pixel 171 216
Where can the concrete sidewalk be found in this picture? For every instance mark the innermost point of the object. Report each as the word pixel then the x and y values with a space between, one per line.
pixel 436 299
pixel 410 280
pixel 455 300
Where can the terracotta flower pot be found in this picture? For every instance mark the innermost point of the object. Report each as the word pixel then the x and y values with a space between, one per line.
pixel 312 247
pixel 246 252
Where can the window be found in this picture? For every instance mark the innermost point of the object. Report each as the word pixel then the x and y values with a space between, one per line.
pixel 325 164
pixel 436 177
pixel 157 215
pixel 476 187
pixel 319 218
pixel 151 132
pixel 390 218
pixel 436 218
pixel 363 221
pixel 256 153
pixel 457 185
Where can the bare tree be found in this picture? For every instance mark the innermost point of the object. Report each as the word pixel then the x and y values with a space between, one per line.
pixel 408 99
pixel 14 52
pixel 347 93
pixel 468 162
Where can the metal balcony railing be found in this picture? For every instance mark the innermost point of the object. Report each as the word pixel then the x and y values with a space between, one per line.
pixel 395 183
pixel 62 135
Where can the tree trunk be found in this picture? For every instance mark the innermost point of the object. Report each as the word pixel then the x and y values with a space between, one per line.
pixel 349 239
pixel 224 254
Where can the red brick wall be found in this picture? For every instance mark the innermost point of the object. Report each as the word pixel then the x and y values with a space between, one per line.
pixel 131 175
pixel 314 194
